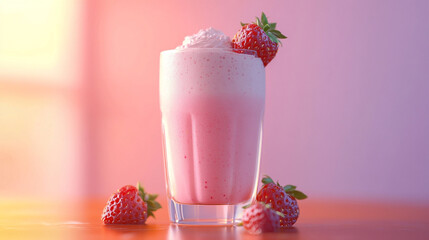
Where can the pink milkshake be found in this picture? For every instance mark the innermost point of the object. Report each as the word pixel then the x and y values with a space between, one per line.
pixel 212 104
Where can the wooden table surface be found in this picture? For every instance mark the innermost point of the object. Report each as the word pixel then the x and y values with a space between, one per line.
pixel 319 220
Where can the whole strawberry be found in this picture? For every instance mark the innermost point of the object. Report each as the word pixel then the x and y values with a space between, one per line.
pixel 129 205
pixel 260 218
pixel 261 37
pixel 282 199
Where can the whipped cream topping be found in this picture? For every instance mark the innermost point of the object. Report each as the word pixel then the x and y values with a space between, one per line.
pixel 207 38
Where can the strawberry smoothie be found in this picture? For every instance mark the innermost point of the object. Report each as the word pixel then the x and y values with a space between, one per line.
pixel 212 104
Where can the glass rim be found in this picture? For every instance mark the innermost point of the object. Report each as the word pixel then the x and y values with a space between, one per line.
pixel 231 50
pixel 245 51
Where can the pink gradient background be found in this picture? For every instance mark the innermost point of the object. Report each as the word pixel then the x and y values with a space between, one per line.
pixel 347 108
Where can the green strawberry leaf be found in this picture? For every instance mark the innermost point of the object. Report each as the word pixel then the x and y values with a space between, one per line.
pixel 272 37
pixel 266 28
pixel 157 205
pixel 298 194
pixel 278 34
pixel 289 188
pixel 247 206
pixel 258 22
pixel 243 24
pixel 267 180
pixel 141 191
pixel 152 196
pixel 264 19
pixel 273 25
pixel 152 205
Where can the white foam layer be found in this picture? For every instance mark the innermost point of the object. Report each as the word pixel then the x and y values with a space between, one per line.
pixel 207 38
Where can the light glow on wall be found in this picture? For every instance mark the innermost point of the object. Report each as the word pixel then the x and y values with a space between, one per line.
pixel 38 40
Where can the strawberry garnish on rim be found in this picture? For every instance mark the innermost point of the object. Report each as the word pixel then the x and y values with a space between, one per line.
pixel 260 36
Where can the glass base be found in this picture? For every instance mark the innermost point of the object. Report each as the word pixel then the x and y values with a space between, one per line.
pixel 205 214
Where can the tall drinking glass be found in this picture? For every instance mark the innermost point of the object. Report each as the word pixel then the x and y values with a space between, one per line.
pixel 212 105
